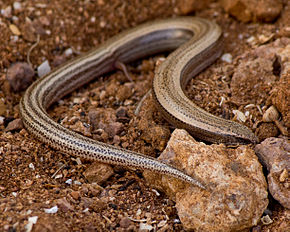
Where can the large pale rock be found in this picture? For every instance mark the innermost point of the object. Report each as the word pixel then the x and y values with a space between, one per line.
pixel 236 194
pixel 275 155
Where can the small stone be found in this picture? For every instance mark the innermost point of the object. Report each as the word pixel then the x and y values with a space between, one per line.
pixel 98 172
pixel 227 57
pixel 68 52
pixel 125 222
pixel 266 220
pixel 63 205
pixel 284 175
pixel 99 204
pixel 1 118
pixel 16 124
pixel 143 227
pixel 20 76
pixel 14 29
pixel 124 92
pixel 7 12
pixel 240 115
pixel 245 10
pixel 115 128
pixel 43 69
pixel 121 112
pixel 105 119
pixel 187 6
pixel 75 195
pixel 52 210
pixel 58 60
pixel 236 189
pixel 274 154
pixel 17 6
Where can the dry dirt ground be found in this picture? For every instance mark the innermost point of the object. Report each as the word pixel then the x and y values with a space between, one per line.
pixel 28 168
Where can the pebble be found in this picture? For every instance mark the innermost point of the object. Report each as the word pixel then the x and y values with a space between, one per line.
pixel 17 6
pixel 98 173
pixel 43 69
pixel 227 57
pixel 274 154
pixel 234 178
pixel 31 166
pixel 14 29
pixel 52 210
pixel 75 195
pixel 16 124
pixel 31 222
pixel 253 10
pixel 1 120
pixel 143 227
pixel 69 181
pixel 7 12
pixel 63 205
pixel 240 115
pixel 125 222
pixel 20 76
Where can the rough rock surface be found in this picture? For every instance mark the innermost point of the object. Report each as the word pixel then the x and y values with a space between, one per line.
pixel 236 194
pixel 253 10
pixel 274 153
pixel 280 96
pixel 258 71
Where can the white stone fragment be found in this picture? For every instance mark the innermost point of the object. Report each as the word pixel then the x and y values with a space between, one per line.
pixel 77 182
pixel 54 209
pixel 43 69
pixel 227 57
pixel 17 6
pixel 145 227
pixel 138 213
pixel 69 181
pixel 31 166
pixel 68 52
pixel 33 219
pixel 6 12
pixel 240 115
pixel 1 120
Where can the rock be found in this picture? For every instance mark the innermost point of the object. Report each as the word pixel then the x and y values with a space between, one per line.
pixel 125 91
pixel 121 112
pixel 253 10
pixel 125 222
pixel 75 195
pixel 280 95
pixel 63 205
pixel 99 204
pixel 266 130
pixel 43 69
pixel 14 29
pixel 263 73
pixel 236 194
pixel 98 172
pixel 105 119
pixel 16 124
pixel 187 6
pixel 19 76
pixel 274 154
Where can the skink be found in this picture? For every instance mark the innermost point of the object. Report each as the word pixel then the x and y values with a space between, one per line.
pixel 198 43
